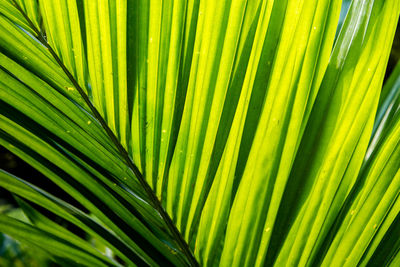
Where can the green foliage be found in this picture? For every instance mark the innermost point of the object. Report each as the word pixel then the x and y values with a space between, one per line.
pixel 196 132
pixel 14 254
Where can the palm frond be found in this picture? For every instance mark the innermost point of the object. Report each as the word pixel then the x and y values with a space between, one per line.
pixel 219 133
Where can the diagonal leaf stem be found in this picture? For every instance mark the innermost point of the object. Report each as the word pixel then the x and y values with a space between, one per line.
pixel 156 203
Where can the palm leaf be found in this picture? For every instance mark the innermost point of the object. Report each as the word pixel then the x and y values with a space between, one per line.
pixel 236 131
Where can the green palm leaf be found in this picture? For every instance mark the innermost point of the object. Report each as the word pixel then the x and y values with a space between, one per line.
pixel 211 133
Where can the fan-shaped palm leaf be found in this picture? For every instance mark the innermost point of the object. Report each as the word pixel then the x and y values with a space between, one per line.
pixel 219 133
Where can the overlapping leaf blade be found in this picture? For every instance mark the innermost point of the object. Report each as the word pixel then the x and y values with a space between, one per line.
pixel 78 157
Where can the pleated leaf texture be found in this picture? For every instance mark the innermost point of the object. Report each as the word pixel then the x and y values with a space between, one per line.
pixel 203 132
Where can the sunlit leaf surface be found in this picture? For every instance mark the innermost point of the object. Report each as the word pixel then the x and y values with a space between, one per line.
pixel 202 132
